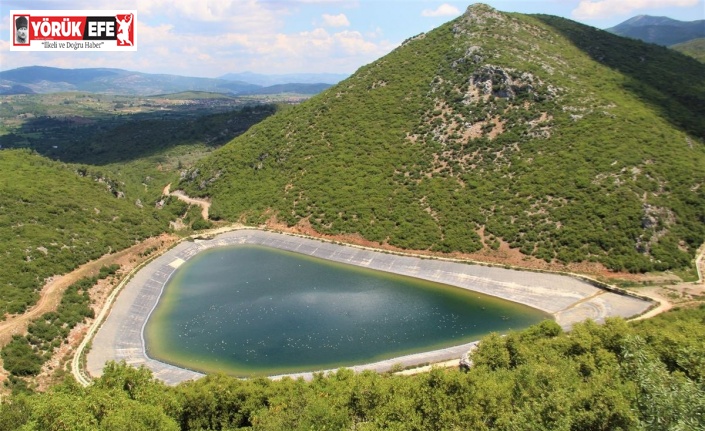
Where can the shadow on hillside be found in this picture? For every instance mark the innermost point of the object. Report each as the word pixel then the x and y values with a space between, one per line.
pixel 117 139
pixel 670 81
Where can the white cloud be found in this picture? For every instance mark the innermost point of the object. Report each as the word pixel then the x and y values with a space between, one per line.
pixel 316 50
pixel 375 34
pixel 320 1
pixel 209 38
pixel 212 16
pixel 341 51
pixel 443 10
pixel 339 20
pixel 591 9
pixel 354 43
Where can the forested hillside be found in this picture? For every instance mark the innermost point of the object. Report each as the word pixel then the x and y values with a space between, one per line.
pixel 54 217
pixel 123 150
pixel 567 142
pixel 617 376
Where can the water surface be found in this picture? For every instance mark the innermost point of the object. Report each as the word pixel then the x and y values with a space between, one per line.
pixel 249 310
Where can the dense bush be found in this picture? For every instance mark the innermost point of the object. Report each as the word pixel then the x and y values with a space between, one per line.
pixel 20 359
pixel 53 220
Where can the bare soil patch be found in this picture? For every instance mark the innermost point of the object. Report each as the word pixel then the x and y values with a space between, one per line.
pixel 453 363
pixel 668 297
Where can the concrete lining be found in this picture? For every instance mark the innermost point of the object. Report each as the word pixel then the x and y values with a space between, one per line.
pixel 177 263
pixel 569 299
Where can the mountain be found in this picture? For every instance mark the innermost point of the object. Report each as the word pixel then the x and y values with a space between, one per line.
pixel 290 88
pixel 36 74
pixel 113 81
pixel 268 80
pixel 660 30
pixel 694 48
pixel 8 89
pixel 39 79
pixel 561 141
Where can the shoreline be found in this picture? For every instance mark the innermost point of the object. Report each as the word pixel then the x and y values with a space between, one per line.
pixel 567 298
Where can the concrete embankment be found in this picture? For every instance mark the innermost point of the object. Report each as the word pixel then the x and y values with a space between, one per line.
pixel 568 299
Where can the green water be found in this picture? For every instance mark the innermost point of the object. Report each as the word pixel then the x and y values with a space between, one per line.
pixel 250 310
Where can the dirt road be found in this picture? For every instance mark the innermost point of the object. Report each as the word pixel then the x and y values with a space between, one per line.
pixel 53 290
pixel 679 294
pixel 204 204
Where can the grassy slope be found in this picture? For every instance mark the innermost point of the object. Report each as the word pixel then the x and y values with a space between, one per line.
pixel 568 142
pixel 694 48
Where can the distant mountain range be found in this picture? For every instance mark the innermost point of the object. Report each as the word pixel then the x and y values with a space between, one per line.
pixel 39 79
pixel 660 30
pixel 269 80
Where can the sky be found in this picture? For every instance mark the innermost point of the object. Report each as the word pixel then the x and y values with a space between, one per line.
pixel 209 38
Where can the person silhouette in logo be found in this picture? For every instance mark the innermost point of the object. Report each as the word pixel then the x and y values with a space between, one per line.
pixel 124 29
pixel 21 34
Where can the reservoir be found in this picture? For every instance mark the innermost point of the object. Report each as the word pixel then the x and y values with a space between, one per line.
pixel 254 310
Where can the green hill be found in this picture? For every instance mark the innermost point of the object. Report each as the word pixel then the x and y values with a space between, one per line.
pixel 694 48
pixel 54 217
pixel 567 142
pixel 102 196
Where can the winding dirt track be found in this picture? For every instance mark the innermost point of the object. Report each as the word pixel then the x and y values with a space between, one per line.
pixel 204 204
pixel 665 303
pixel 53 290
